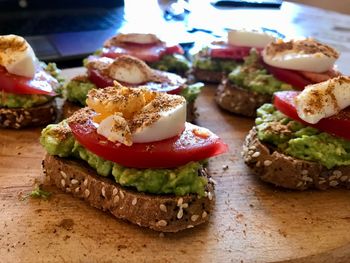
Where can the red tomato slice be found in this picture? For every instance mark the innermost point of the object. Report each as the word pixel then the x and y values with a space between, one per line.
pixel 103 81
pixel 315 77
pixel 226 51
pixel 42 83
pixel 145 52
pixel 291 77
pixel 337 125
pixel 191 145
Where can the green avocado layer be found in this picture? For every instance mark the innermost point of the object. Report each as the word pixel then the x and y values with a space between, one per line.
pixel 76 91
pixel 204 62
pixel 12 100
pixel 175 63
pixel 253 76
pixel 300 141
pixel 180 181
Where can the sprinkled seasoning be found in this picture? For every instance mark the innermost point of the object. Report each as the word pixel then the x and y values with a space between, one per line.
pixel 306 46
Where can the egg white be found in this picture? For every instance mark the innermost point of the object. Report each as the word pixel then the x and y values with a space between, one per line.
pixel 170 124
pixel 332 92
pixel 317 62
pixel 17 62
pixel 253 38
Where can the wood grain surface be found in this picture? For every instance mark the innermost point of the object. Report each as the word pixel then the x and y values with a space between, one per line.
pixel 252 222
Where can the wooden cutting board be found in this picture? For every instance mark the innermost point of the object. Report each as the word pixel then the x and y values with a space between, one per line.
pixel 252 222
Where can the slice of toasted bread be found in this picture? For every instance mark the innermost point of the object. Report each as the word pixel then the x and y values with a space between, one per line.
pixel 207 75
pixel 166 213
pixel 238 100
pixel 18 118
pixel 69 108
pixel 289 172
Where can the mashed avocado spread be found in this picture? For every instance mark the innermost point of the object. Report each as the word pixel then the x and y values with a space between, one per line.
pixel 205 62
pixel 76 91
pixel 253 76
pixel 11 100
pixel 180 181
pixel 300 141
pixel 175 63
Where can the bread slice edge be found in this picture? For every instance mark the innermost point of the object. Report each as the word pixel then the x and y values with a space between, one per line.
pixel 286 171
pixel 166 213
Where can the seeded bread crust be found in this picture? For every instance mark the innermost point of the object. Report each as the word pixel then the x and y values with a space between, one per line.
pixel 239 101
pixel 286 171
pixel 17 118
pixel 207 75
pixel 69 108
pixel 166 213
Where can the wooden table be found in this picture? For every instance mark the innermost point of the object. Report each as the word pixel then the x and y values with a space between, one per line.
pixel 252 221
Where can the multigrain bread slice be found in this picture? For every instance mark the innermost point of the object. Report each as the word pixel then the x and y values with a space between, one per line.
pixel 238 100
pixel 286 171
pixel 17 118
pixel 69 108
pixel 166 213
pixel 207 75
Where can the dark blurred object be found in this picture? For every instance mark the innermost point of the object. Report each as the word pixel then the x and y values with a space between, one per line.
pixel 248 3
pixel 61 30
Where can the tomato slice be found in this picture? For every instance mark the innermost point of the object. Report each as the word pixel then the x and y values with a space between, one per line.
pixel 226 51
pixel 145 52
pixel 41 83
pixel 100 80
pixel 338 125
pixel 291 77
pixel 315 77
pixel 191 145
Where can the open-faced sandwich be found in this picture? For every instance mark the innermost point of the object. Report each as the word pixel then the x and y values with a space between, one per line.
pixel 302 141
pixel 149 48
pixel 214 62
pixel 131 72
pixel 27 87
pixel 132 153
pixel 282 65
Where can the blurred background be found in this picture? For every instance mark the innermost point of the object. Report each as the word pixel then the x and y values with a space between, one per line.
pixel 342 6
pixel 66 31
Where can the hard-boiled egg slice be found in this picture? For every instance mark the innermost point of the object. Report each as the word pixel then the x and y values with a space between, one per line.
pixel 161 122
pixel 115 128
pixel 249 38
pixel 306 55
pixel 17 56
pixel 130 70
pixel 323 99
pixel 137 115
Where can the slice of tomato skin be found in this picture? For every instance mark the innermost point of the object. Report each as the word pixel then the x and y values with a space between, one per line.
pixel 226 51
pixel 146 52
pixel 169 153
pixel 101 81
pixel 337 125
pixel 41 83
pixel 291 77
